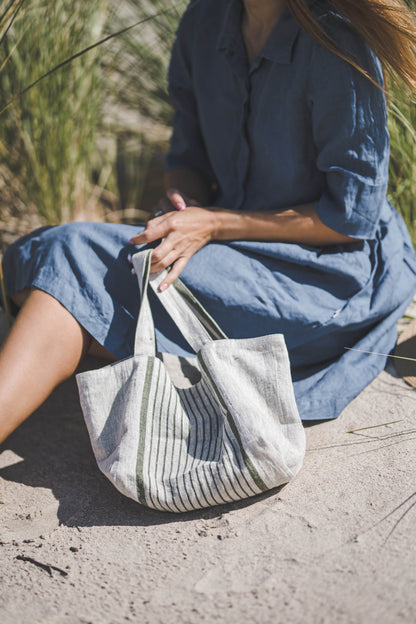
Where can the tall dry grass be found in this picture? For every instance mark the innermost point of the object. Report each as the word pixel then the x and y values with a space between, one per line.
pixel 137 102
pixel 85 135
pixel 402 171
pixel 51 131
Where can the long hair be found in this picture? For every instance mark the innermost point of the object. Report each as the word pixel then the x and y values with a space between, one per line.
pixel 387 26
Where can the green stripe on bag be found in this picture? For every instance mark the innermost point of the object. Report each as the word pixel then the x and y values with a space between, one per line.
pixel 141 497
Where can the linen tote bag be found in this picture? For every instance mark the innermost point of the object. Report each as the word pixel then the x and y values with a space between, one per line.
pixel 178 434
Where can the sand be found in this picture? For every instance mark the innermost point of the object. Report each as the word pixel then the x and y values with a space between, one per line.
pixel 336 545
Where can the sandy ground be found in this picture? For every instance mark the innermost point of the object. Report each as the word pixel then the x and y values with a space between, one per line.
pixel 336 545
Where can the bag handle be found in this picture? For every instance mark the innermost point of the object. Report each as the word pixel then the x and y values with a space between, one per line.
pixel 193 321
pixel 144 340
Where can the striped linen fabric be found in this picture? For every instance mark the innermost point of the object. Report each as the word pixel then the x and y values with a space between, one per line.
pixel 178 445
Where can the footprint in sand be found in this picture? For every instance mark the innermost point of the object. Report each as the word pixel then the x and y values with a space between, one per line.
pixel 25 512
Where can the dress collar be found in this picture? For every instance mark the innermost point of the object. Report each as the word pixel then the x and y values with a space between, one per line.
pixel 279 45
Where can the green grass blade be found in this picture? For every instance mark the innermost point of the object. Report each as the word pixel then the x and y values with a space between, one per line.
pixel 75 56
pixel 398 357
pixel 6 11
pixel 10 24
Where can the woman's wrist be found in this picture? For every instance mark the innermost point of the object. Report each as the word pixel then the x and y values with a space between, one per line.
pixel 227 224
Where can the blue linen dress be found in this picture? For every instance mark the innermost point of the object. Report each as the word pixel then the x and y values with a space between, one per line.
pixel 300 125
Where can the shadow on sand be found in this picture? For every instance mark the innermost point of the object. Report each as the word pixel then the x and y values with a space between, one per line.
pixel 56 454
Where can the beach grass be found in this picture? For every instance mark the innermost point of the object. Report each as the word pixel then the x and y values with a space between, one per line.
pixel 402 172
pixel 65 139
pixel 50 131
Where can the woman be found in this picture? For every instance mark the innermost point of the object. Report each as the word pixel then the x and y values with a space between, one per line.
pixel 276 216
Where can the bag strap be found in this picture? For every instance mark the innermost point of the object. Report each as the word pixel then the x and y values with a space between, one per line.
pixel 188 314
pixel 144 341
pixel 193 321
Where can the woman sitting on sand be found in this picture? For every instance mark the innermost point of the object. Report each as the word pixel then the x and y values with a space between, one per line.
pixel 278 221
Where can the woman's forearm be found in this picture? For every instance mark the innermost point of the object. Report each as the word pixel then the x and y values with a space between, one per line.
pixel 299 224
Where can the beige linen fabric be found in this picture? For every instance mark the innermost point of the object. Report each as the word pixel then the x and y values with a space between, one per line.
pixel 231 433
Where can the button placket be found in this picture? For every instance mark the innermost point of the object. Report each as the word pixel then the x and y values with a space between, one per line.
pixel 245 151
pixel 237 60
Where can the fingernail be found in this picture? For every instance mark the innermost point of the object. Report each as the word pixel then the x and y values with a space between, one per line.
pixel 163 287
pixel 129 258
pixel 131 242
pixel 133 272
pixel 180 205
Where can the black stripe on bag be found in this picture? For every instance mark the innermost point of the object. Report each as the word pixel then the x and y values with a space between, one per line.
pixel 218 455
pixel 202 399
pixel 232 483
pixel 249 465
pixel 220 451
pixel 192 457
pixel 193 407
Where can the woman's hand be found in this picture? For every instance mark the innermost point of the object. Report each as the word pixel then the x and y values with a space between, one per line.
pixel 173 200
pixel 183 232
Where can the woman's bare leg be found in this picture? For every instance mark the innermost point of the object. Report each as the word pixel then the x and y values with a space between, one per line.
pixel 44 348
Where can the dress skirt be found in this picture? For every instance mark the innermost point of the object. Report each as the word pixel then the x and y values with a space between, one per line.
pixel 323 299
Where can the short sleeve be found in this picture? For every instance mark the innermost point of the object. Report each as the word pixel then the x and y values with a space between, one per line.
pixel 187 148
pixel 349 126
